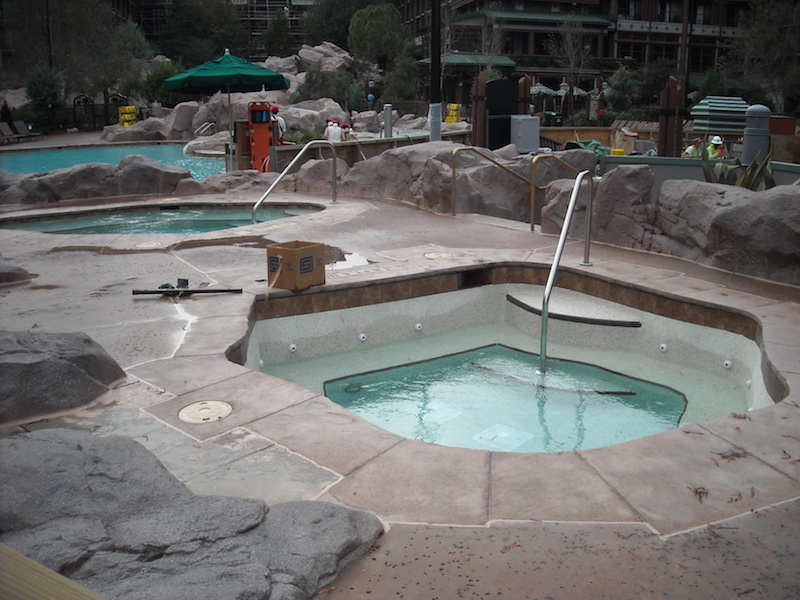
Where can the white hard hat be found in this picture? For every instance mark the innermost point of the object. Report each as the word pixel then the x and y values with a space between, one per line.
pixel 716 140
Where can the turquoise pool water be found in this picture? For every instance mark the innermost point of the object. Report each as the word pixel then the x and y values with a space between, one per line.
pixel 163 219
pixel 47 160
pixel 491 398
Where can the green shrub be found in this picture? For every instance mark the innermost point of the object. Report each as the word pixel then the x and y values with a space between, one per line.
pixel 757 176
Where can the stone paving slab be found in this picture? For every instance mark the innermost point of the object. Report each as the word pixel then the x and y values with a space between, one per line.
pixel 183 374
pixel 752 557
pixel 419 482
pixel 327 434
pixel 252 395
pixel 686 477
pixel 553 487
pixel 271 474
pixel 769 435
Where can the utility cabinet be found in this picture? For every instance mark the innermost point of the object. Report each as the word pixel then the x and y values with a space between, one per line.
pixel 525 133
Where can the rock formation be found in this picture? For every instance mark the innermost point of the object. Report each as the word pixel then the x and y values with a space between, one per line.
pixel 135 174
pixel 422 174
pixel 43 373
pixel 10 273
pixel 107 514
pixel 733 228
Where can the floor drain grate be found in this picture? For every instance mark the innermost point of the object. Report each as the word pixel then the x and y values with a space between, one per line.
pixel 205 411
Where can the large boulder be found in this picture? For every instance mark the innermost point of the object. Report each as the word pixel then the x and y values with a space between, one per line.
pixel 314 176
pixel 622 212
pixel 285 65
pixel 149 130
pixel 760 236
pixel 87 180
pixel 326 109
pixel 325 57
pixel 106 513
pixel 733 228
pixel 180 121
pixel 42 373
pixel 245 181
pixel 135 174
pixel 422 174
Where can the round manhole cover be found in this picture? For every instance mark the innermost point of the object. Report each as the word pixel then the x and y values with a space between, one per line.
pixel 205 411
pixel 438 255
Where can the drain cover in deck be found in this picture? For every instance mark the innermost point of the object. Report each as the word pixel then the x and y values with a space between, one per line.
pixel 205 411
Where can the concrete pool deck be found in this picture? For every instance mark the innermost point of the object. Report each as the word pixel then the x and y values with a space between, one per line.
pixel 709 509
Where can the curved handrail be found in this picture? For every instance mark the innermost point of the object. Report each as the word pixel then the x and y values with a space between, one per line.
pixel 535 187
pixel 454 155
pixel 311 144
pixel 551 278
pixel 587 237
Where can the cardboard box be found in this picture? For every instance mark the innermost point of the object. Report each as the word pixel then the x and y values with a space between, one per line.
pixel 299 265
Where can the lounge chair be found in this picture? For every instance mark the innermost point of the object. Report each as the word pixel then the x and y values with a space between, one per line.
pixel 22 129
pixel 7 135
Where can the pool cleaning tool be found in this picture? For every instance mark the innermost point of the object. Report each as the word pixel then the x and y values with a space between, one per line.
pixel 182 289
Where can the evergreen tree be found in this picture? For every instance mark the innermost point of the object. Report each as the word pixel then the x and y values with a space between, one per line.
pixel 377 34
pixel 329 20
pixel 278 39
pixel 200 30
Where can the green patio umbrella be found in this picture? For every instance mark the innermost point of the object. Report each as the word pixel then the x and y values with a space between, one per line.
pixel 226 73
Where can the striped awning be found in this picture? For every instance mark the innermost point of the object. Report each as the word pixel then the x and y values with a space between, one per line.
pixel 720 114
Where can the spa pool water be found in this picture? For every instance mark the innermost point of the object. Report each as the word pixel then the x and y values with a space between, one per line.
pixel 46 160
pixel 164 219
pixel 717 372
pixel 492 398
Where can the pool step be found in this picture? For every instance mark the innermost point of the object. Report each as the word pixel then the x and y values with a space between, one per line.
pixel 572 316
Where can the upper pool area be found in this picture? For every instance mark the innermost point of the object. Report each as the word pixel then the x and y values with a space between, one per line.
pixel 36 161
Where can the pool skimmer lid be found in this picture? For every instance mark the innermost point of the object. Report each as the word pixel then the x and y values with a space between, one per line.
pixel 206 411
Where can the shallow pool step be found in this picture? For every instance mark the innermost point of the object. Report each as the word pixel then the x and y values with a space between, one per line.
pixel 574 315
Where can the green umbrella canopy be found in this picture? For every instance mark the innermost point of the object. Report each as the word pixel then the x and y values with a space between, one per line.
pixel 227 73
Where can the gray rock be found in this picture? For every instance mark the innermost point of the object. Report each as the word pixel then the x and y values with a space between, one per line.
pixel 141 175
pixel 151 129
pixel 180 122
pixel 733 228
pixel 422 174
pixel 41 373
pixel 285 65
pixel 326 108
pixel 245 181
pixel 135 175
pixel 106 513
pixel 760 237
pixel 314 176
pixel 622 209
pixel 366 121
pixel 10 273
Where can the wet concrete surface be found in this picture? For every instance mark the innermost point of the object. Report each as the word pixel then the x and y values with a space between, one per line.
pixel 628 521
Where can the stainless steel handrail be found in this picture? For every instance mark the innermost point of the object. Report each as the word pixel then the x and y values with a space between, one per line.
pixel 551 278
pixel 311 144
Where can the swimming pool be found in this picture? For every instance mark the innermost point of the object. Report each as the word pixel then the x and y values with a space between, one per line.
pixel 37 161
pixel 195 218
pixel 718 371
